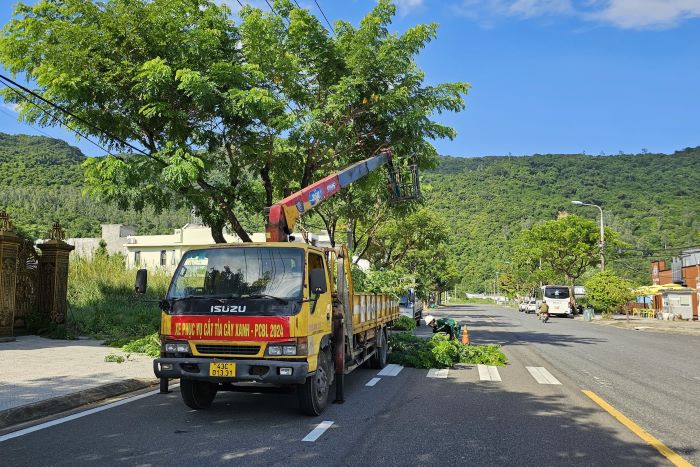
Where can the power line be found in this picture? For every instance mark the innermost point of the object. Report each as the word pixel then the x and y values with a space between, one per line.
pixel 54 117
pixel 324 16
pixel 72 115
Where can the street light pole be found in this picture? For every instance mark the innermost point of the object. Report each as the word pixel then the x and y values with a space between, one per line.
pixel 602 231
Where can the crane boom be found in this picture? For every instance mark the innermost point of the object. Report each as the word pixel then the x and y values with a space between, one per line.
pixel 283 215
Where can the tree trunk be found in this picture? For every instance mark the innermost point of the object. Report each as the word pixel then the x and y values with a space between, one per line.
pixel 217 233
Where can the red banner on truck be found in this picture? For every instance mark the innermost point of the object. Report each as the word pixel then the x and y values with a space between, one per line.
pixel 225 328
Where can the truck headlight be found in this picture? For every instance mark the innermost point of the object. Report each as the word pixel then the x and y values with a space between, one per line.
pixel 289 350
pixel 177 347
pixel 274 350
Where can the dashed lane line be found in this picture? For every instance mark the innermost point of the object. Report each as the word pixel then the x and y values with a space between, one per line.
pixel 390 370
pixel 488 373
pixel 373 381
pixel 541 375
pixel 438 373
pixel 318 431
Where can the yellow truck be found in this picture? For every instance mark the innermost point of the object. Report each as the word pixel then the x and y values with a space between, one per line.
pixel 278 313
pixel 268 314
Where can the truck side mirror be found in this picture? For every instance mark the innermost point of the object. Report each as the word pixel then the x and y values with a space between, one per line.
pixel 141 281
pixel 317 281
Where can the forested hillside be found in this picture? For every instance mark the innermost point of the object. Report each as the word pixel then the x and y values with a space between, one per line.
pixel 41 181
pixel 653 200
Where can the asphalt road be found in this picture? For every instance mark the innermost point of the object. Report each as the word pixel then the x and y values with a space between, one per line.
pixel 411 419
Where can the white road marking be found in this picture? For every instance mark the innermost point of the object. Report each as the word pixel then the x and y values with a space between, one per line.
pixel 318 431
pixel 75 416
pixel 541 375
pixel 435 373
pixel 373 381
pixel 390 370
pixel 488 373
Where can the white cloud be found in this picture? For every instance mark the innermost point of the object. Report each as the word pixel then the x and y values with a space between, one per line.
pixel 626 14
pixel 519 8
pixel 637 14
pixel 407 6
pixel 11 107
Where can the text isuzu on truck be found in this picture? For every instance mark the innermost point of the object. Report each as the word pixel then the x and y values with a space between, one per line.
pixel 276 313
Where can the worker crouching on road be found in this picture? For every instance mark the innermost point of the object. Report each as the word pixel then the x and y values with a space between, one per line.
pixel 446 325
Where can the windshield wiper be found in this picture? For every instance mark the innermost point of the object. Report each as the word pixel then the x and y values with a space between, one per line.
pixel 195 297
pixel 268 296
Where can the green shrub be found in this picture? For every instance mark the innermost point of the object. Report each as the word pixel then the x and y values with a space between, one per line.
pixel 404 323
pixel 103 304
pixel 40 324
pixel 440 352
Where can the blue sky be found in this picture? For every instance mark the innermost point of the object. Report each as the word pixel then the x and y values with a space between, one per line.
pixel 548 76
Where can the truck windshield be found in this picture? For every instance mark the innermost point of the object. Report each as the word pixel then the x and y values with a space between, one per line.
pixel 243 272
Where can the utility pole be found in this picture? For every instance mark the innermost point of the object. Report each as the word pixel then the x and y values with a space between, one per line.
pixel 602 231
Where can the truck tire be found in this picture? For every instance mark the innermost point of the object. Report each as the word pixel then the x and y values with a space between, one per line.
pixel 378 360
pixel 313 394
pixel 197 395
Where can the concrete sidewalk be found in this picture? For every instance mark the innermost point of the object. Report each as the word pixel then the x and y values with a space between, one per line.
pixel 40 377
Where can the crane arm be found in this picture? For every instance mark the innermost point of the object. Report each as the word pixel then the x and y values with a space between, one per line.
pixel 283 216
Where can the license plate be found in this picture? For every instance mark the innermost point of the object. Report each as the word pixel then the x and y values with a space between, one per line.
pixel 222 370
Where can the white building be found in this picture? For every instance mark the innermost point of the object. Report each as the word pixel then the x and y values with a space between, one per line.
pixel 114 236
pixel 165 251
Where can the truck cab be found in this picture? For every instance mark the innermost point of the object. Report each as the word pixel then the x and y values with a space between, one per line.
pixel 248 313
pixel 268 314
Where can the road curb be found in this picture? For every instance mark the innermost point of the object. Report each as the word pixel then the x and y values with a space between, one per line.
pixel 56 405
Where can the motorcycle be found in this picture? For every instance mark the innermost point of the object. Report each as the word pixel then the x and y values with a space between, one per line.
pixel 544 317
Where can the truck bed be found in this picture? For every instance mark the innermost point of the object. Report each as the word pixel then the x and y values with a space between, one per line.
pixel 372 310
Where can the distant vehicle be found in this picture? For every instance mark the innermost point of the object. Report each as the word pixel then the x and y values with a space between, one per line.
pixel 531 306
pixel 411 306
pixel 522 305
pixel 558 298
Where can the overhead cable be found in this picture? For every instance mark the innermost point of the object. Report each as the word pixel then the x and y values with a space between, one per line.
pixel 72 115
pixel 324 15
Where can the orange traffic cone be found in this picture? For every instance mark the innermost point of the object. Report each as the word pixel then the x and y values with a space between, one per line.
pixel 465 335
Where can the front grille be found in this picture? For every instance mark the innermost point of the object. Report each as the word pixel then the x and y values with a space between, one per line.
pixel 228 349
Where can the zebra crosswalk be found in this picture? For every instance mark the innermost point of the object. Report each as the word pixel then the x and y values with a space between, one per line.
pixel 491 373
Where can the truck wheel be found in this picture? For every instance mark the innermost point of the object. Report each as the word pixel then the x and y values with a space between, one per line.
pixel 197 394
pixel 378 360
pixel 313 394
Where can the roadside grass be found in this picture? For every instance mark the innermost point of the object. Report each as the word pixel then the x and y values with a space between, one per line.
pixel 103 305
pixel 440 352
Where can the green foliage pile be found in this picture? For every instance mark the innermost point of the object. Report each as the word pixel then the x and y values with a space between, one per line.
pixel 607 292
pixel 651 200
pixel 440 352
pixel 404 323
pixel 103 304
pixel 149 345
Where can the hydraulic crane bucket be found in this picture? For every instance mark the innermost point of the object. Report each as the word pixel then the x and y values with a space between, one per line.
pixel 404 184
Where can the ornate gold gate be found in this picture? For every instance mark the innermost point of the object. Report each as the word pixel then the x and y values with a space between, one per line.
pixel 27 291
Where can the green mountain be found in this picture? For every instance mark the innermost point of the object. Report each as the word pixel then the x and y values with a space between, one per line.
pixel 41 182
pixel 653 200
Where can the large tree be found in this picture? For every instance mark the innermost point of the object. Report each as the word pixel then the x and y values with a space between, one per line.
pixel 568 246
pixel 229 116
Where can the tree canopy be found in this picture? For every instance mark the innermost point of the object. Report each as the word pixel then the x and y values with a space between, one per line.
pixel 229 115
